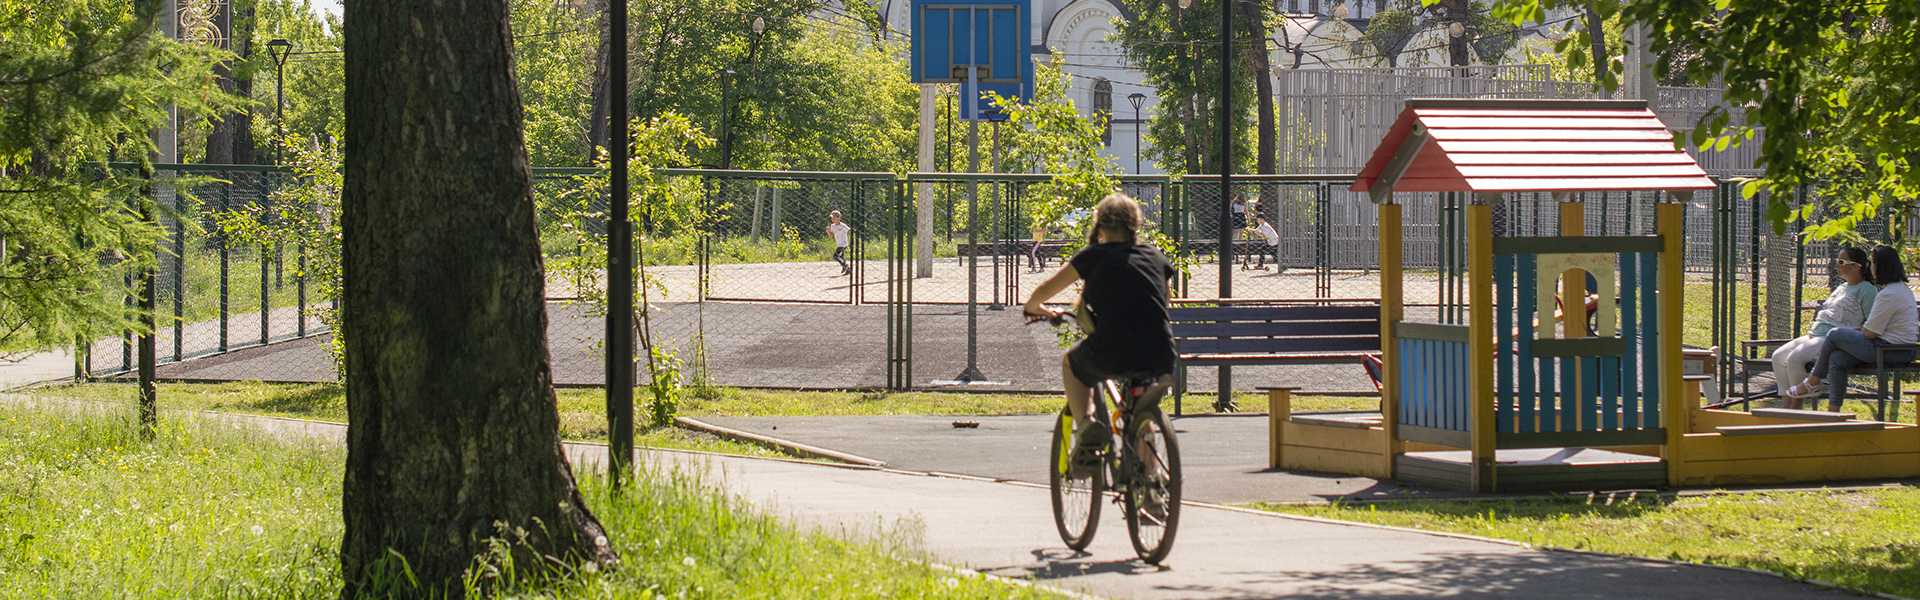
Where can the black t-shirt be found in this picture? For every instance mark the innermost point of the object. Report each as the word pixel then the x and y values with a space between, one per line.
pixel 1127 291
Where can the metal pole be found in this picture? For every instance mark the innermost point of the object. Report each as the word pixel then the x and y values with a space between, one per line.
pixel 1225 400
pixel 969 100
pixel 726 119
pixel 999 215
pixel 620 364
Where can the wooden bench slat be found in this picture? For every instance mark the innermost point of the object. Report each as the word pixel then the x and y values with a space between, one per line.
pixel 1800 428
pixel 1816 416
pixel 1276 329
pixel 1275 313
pixel 1276 345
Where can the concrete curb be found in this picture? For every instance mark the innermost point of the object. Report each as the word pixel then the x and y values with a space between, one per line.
pixel 789 446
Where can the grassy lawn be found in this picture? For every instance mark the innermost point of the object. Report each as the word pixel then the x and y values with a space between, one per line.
pixel 220 513
pixel 1864 539
pixel 583 410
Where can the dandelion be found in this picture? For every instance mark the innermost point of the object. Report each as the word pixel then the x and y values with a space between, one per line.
pixel 689 561
pixel 257 530
pixel 590 568
pixel 952 583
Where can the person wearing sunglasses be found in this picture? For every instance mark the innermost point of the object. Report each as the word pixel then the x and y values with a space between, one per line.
pixel 1847 306
pixel 1893 320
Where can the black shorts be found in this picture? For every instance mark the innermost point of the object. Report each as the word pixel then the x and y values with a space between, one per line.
pixel 1091 367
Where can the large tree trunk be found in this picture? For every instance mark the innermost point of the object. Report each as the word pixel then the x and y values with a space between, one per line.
pixel 1262 86
pixel 597 123
pixel 220 126
pixel 242 122
pixel 454 437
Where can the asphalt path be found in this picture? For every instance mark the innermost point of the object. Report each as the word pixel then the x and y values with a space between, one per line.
pixel 1223 458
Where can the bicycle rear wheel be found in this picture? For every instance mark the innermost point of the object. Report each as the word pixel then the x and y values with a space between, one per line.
pixel 1076 501
pixel 1152 497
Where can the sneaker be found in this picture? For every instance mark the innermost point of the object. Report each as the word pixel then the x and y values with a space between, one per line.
pixel 1155 504
pixel 1090 442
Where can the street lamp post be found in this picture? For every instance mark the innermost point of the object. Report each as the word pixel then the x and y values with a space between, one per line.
pixel 1136 99
pixel 279 50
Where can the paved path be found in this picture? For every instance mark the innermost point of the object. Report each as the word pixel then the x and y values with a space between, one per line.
pixel 1006 529
pixel 1224 458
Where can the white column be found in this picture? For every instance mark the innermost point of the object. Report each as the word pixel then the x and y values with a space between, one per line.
pixel 924 196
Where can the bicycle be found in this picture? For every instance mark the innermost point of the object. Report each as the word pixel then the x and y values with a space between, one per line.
pixel 1143 468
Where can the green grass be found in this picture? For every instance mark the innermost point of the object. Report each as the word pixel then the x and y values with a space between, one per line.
pixel 583 410
pixel 1864 539
pixel 213 512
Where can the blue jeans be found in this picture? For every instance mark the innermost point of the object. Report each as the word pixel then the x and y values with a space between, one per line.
pixel 1843 350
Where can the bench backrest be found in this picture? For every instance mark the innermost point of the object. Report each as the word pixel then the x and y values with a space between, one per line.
pixel 1244 329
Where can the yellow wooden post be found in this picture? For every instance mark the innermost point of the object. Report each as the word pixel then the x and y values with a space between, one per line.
pixel 1480 343
pixel 1279 409
pixel 1390 314
pixel 1573 290
pixel 1667 221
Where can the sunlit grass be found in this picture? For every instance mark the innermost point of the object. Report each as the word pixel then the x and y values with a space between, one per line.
pixel 92 511
pixel 1865 539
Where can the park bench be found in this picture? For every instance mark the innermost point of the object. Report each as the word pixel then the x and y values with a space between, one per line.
pixel 1237 332
pixel 1017 248
pixel 1756 356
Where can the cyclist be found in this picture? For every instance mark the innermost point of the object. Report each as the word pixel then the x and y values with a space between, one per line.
pixel 1126 297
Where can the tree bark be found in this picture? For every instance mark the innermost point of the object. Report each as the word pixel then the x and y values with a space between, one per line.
pixel 454 435
pixel 1597 34
pixel 597 123
pixel 1263 87
pixel 242 122
pixel 220 126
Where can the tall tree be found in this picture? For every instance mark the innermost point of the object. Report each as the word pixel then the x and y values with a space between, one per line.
pixel 1178 51
pixel 454 448
pixel 82 81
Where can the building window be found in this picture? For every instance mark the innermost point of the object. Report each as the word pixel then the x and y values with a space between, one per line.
pixel 1103 106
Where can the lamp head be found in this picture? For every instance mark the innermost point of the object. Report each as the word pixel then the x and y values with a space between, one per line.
pixel 1457 29
pixel 759 25
pixel 1340 12
pixel 279 49
pixel 1136 99
pixel 724 72
pixel 1186 4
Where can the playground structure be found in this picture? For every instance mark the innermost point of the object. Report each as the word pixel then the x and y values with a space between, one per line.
pixel 1514 393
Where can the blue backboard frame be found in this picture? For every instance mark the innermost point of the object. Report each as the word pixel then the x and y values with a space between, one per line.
pixel 1000 35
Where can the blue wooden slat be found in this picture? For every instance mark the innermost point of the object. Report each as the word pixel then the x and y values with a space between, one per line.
pixel 1590 393
pixel 1523 355
pixel 1569 393
pixel 1609 392
pixel 1650 392
pixel 1457 384
pixel 1503 348
pixel 1407 372
pixel 1630 383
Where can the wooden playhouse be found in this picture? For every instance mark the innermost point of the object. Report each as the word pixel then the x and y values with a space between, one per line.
pixel 1512 395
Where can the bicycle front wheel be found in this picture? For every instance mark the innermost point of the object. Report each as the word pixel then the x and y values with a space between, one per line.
pixel 1153 490
pixel 1076 500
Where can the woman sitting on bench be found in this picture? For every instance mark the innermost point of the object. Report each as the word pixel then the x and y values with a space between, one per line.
pixel 1847 306
pixel 1893 320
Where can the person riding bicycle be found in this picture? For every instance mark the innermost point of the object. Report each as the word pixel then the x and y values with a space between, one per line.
pixel 1126 294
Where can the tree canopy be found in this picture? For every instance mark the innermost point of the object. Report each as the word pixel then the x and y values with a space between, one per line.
pixel 1830 83
pixel 82 82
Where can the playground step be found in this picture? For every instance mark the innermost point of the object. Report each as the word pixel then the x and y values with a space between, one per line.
pixel 1350 420
pixel 1537 469
pixel 1803 415
pixel 1801 428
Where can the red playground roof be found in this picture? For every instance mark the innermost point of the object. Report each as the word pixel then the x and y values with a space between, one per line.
pixel 1494 146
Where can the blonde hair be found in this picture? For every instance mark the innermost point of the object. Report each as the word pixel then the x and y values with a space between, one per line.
pixel 1118 213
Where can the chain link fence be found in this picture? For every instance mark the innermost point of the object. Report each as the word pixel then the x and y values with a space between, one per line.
pixel 217 295
pixel 743 287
